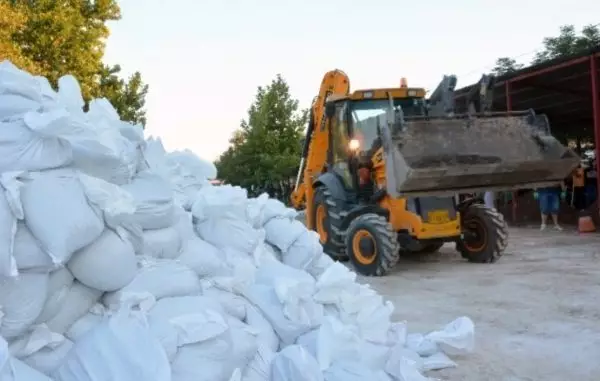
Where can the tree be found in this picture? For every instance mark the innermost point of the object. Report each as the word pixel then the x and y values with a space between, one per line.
pixel 128 98
pixel 506 65
pixel 265 150
pixel 54 38
pixel 12 21
pixel 568 43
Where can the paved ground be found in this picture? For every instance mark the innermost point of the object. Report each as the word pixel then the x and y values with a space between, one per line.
pixel 536 311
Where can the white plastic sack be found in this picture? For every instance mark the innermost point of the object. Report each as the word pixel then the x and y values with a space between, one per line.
pixel 46 199
pixel 259 368
pixel 285 297
pixel 11 210
pixel 215 358
pixel 28 253
pixel 41 349
pixel 155 208
pixel 457 337
pixel 404 364
pixel 294 363
pixel 162 243
pixel 230 233
pixel 158 278
pixel 332 341
pixel 59 285
pixel 267 338
pixel 108 264
pixel 22 300
pixel 12 369
pixel 186 320
pixel 305 251
pixel 347 371
pixel 225 201
pixel 120 348
pixel 76 304
pixel 283 232
pixel 85 323
pixel 233 304
pixel 205 259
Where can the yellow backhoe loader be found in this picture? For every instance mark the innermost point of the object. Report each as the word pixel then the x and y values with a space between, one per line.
pixel 381 170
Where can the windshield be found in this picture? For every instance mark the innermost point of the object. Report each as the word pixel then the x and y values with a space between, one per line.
pixel 369 115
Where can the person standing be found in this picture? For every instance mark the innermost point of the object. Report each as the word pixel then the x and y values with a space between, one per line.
pixel 578 200
pixel 488 199
pixel 549 200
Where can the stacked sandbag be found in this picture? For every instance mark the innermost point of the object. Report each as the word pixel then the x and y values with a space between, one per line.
pixel 119 261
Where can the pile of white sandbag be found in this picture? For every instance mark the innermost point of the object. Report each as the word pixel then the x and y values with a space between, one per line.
pixel 119 261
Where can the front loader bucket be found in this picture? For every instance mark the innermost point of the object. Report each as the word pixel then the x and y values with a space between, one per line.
pixel 501 151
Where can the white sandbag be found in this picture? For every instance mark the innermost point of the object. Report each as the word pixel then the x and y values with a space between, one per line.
pixel 49 196
pixel 262 209
pixel 197 165
pixel 332 341
pixel 108 264
pixel 266 338
pixel 162 243
pixel 259 368
pixel 28 253
pixel 285 297
pixel 12 369
pixel 205 259
pixel 348 371
pixel 69 93
pixel 41 349
pixel 11 210
pixel 155 208
pixel 404 364
pixel 283 232
pixel 437 361
pixel 233 304
pixel 305 251
pixel 294 363
pixel 85 323
pixel 183 224
pixel 230 233
pixel 159 278
pixel 76 304
pixel 22 300
pixel 221 202
pixel 59 285
pixel 183 320
pixel 215 358
pixel 355 303
pixel 456 338
pixel 120 348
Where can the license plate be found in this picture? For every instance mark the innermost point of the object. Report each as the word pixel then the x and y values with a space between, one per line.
pixel 438 217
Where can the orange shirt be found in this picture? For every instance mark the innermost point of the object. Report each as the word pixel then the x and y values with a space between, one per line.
pixel 578 178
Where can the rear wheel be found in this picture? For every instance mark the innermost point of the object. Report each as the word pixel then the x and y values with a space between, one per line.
pixel 325 220
pixel 485 234
pixel 371 245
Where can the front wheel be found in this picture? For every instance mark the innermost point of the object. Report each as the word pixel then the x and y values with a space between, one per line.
pixel 485 234
pixel 371 245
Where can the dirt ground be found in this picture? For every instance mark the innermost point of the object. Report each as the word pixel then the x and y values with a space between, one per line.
pixel 536 311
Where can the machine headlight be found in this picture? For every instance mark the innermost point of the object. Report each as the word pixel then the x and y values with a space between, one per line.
pixel 354 145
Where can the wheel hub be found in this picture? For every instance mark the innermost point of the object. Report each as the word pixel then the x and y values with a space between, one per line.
pixel 367 246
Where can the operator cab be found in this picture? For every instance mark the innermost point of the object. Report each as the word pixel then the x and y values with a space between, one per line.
pixel 356 124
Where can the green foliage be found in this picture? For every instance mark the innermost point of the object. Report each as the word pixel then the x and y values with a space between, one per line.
pixel 568 43
pixel 265 150
pixel 128 97
pixel 506 65
pixel 53 38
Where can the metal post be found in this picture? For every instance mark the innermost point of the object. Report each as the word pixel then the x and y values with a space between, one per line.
pixel 515 202
pixel 596 111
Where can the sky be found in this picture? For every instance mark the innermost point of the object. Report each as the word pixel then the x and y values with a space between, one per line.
pixel 204 59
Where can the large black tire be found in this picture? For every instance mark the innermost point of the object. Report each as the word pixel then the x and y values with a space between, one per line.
pixel 371 245
pixel 326 222
pixel 485 234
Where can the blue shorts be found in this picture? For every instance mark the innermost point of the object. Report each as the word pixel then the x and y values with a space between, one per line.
pixel 549 203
